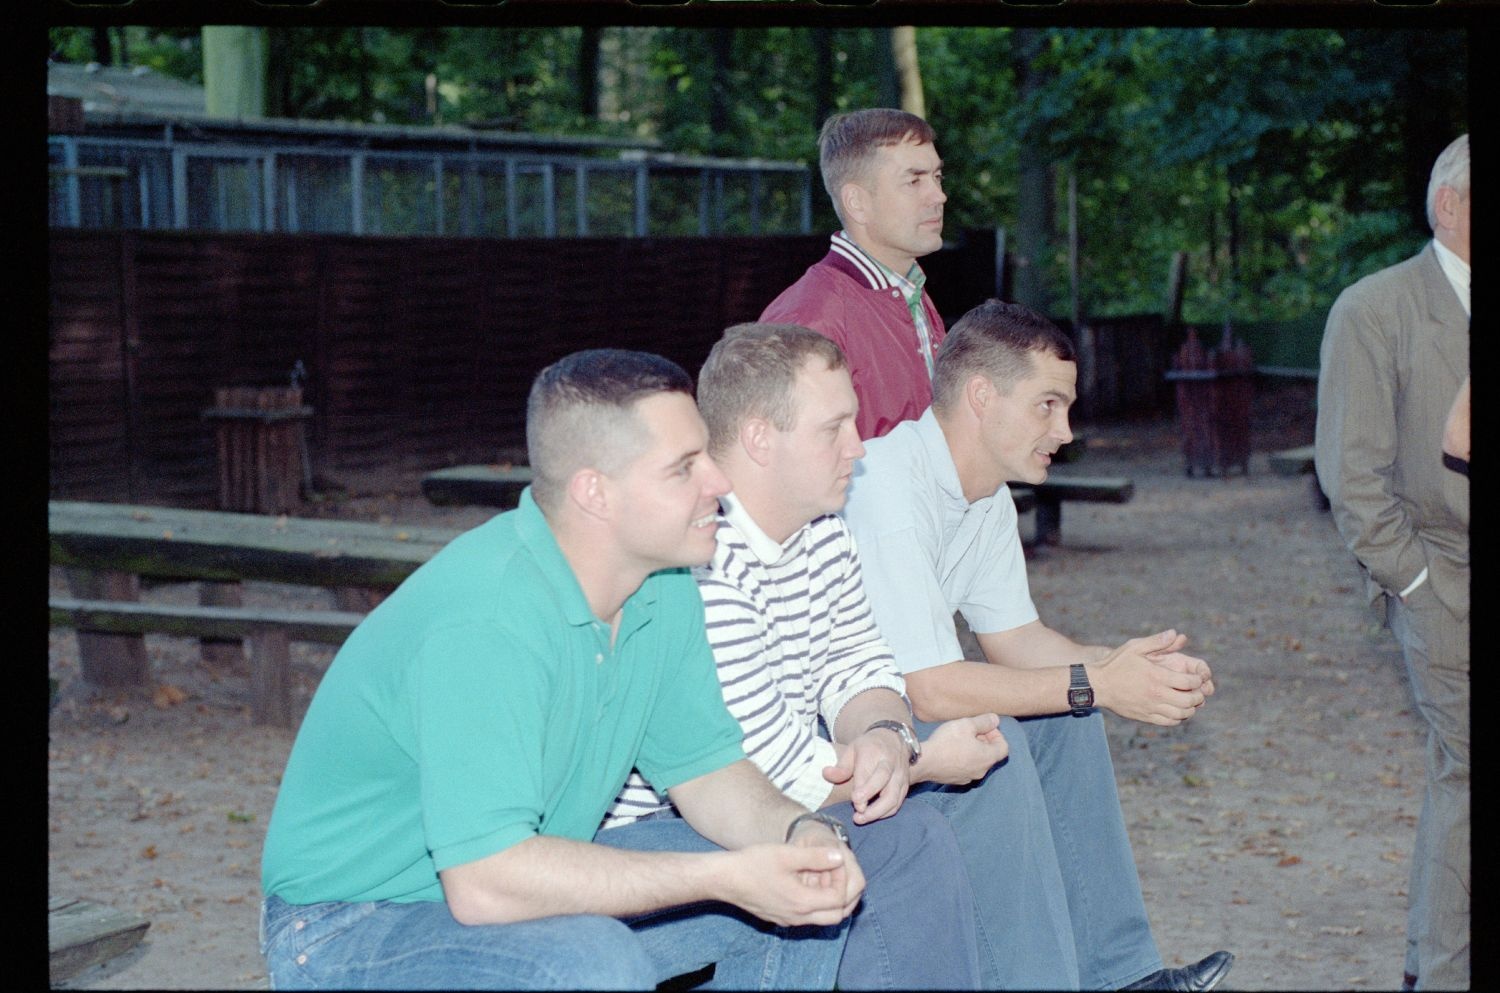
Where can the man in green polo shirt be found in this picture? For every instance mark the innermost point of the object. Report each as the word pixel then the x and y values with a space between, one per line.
pixel 435 822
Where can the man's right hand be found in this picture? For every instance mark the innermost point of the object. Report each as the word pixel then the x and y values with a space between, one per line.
pixel 961 750
pixel 1130 682
pixel 813 879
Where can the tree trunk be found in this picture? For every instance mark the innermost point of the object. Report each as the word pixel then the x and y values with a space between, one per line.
pixel 908 73
pixel 104 53
pixel 720 120
pixel 588 72
pixel 822 42
pixel 1035 198
pixel 234 70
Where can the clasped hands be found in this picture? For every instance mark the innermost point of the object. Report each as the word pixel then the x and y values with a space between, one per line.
pixel 1150 680
pixel 879 773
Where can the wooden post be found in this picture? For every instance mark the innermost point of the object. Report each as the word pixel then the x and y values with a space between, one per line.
pixel 109 659
pixel 222 651
pixel 271 678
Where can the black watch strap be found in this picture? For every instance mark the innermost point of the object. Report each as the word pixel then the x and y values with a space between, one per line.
pixel 1080 691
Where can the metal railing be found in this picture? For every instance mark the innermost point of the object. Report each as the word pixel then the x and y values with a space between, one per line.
pixel 112 182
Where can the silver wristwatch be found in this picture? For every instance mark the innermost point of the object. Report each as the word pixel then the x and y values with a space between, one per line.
pixel 831 823
pixel 908 738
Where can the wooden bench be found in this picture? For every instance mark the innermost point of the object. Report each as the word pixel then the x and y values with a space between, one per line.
pixel 268 631
pixel 481 485
pixel 107 549
pixel 1297 462
pixel 81 934
pixel 1050 495
pixel 1292 461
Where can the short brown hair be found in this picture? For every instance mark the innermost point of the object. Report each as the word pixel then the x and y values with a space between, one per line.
pixel 995 340
pixel 752 372
pixel 848 143
pixel 581 414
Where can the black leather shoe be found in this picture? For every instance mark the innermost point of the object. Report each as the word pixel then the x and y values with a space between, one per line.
pixel 1408 982
pixel 1201 975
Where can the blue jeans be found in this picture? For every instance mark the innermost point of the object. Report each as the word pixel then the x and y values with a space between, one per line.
pixel 420 946
pixel 914 928
pixel 1044 839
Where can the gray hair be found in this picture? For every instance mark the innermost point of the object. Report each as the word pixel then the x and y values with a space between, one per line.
pixel 752 372
pixel 848 142
pixel 995 340
pixel 1451 170
pixel 580 414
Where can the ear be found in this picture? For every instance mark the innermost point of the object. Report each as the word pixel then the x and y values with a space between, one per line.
pixel 755 439
pixel 856 202
pixel 978 392
pixel 1446 207
pixel 588 490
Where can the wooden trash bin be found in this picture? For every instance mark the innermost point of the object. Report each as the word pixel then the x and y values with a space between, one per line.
pixel 260 439
pixel 1214 393
pixel 259 431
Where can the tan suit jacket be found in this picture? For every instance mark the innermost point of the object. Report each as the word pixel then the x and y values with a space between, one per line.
pixel 1395 350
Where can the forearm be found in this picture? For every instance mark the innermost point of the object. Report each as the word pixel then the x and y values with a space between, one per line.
pixel 546 876
pixel 1025 674
pixel 736 806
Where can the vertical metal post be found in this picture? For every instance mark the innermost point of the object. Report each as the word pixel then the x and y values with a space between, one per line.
pixel 806 201
pixel 755 194
pixel 703 226
pixel 268 187
pixel 179 189
pixel 549 202
pixel 1000 263
pixel 293 222
pixel 357 193
pixel 512 224
pixel 72 189
pixel 581 198
pixel 641 193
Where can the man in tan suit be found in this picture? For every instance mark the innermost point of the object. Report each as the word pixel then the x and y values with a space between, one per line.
pixel 1394 353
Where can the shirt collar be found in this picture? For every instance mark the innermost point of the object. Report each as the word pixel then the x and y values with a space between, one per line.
pixel 764 547
pixel 536 533
pixel 875 273
pixel 1456 269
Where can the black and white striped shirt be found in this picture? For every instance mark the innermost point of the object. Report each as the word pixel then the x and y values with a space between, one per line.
pixel 793 639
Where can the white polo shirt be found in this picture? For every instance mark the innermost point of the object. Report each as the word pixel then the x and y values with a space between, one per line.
pixel 926 551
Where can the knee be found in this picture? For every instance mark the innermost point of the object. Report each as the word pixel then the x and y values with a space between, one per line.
pixel 915 835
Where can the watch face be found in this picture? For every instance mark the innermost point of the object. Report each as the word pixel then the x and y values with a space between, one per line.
pixel 1080 699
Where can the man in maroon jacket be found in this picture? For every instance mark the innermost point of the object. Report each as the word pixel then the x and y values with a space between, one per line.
pixel 882 170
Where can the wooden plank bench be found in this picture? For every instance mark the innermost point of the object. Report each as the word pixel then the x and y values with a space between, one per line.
pixel 269 632
pixel 1292 461
pixel 1050 496
pixel 1297 462
pixel 107 548
pixel 476 485
pixel 81 934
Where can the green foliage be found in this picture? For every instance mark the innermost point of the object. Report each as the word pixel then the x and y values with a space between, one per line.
pixel 1285 162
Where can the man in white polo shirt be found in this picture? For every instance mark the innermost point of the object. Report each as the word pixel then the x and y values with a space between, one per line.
pixel 936 528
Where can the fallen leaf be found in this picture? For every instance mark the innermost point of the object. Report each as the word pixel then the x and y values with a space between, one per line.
pixel 1189 779
pixel 167 695
pixel 1289 860
pixel 149 852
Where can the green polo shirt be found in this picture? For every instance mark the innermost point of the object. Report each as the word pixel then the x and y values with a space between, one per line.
pixel 481 704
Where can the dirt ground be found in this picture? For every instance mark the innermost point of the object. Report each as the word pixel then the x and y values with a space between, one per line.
pixel 1277 823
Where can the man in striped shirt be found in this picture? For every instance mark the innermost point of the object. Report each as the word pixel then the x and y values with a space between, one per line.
pixel 796 646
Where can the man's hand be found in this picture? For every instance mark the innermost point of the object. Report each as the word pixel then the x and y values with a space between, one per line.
pixel 814 879
pixel 877 769
pixel 1149 680
pixel 962 750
